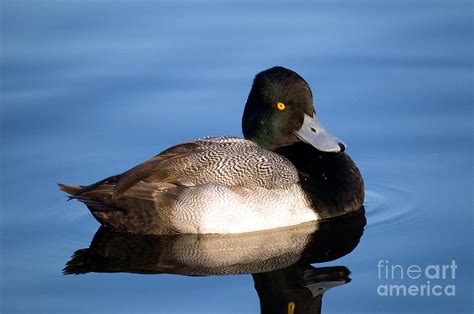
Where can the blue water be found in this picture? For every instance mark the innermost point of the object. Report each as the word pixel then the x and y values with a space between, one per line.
pixel 92 88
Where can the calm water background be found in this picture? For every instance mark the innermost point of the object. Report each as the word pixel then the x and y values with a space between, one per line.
pixel 91 88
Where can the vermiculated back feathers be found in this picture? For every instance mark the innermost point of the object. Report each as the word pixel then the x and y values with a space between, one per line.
pixel 227 169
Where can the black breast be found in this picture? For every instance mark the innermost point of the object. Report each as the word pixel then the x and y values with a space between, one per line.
pixel 331 180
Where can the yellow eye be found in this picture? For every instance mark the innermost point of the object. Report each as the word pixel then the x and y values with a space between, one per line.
pixel 281 106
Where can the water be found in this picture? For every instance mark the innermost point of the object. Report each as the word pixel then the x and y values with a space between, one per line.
pixel 90 89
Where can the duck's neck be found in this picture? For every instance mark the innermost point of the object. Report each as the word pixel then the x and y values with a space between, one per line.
pixel 331 180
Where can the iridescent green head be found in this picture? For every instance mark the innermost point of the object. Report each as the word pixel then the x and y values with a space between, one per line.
pixel 280 112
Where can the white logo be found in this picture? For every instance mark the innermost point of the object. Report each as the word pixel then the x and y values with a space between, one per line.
pixel 436 279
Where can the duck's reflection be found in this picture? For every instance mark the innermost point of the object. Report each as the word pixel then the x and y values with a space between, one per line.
pixel 298 288
pixel 279 260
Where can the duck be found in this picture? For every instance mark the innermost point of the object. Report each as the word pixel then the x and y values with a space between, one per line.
pixel 287 170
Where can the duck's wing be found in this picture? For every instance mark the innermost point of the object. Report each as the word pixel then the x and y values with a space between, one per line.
pixel 156 169
pixel 227 161
pixel 116 185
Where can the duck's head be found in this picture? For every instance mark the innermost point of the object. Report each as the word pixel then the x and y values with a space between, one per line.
pixel 280 112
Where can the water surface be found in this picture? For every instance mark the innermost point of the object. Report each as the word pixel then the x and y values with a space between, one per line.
pixel 91 88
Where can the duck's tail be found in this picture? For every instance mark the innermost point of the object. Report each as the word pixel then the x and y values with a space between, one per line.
pixel 96 196
pixel 72 190
pixel 77 191
pixel 135 211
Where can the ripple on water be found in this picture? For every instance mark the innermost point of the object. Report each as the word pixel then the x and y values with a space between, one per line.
pixel 388 207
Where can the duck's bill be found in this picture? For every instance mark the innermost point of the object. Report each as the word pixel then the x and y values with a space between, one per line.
pixel 313 133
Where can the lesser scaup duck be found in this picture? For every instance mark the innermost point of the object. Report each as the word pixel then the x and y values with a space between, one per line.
pixel 288 170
